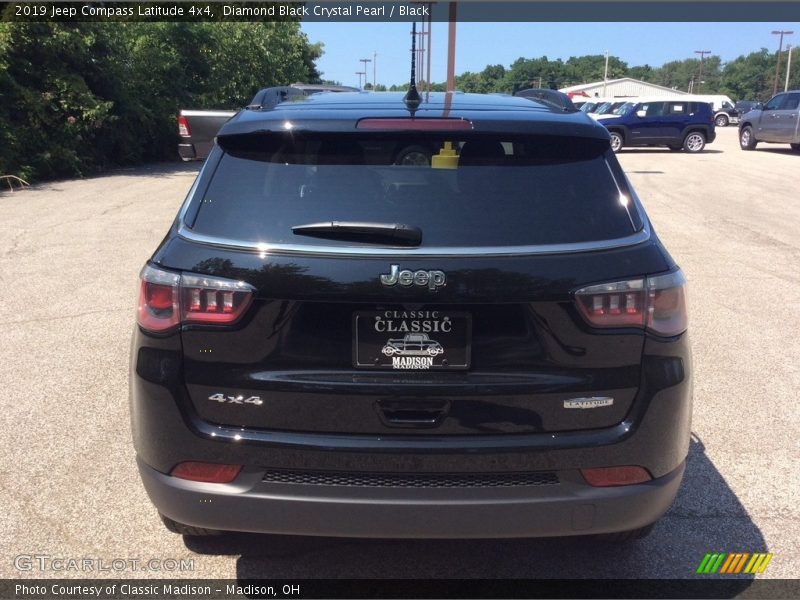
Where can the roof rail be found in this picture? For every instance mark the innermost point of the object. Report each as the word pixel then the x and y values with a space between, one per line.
pixel 271 96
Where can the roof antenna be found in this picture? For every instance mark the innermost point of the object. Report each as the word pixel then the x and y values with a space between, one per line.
pixel 412 98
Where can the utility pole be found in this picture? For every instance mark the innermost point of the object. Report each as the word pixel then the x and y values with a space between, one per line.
pixel 365 61
pixel 778 62
pixel 702 53
pixel 360 73
pixel 421 53
pixel 451 49
pixel 430 43
pixel 374 70
pixel 788 67
pixel 605 76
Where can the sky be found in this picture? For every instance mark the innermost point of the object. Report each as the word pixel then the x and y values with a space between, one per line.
pixel 481 44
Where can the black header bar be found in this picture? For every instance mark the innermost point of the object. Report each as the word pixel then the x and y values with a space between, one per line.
pixel 368 11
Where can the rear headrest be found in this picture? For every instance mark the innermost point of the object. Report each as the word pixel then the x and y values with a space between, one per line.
pixel 478 152
pixel 340 152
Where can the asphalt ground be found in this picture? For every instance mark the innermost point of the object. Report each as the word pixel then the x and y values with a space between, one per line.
pixel 70 252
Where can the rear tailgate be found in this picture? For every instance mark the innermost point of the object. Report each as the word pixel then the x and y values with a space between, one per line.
pixel 197 129
pixel 474 331
pixel 528 349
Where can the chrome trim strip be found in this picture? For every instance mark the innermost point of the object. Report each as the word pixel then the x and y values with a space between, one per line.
pixel 638 237
pixel 377 443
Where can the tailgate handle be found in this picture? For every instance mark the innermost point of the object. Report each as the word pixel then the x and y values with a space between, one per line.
pixel 412 413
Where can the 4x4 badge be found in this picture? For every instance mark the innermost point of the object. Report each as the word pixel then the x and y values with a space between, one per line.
pixel 223 399
pixel 430 279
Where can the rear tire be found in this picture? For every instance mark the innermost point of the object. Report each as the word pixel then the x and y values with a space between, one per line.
pixel 747 141
pixel 415 156
pixel 721 121
pixel 625 536
pixel 694 142
pixel 182 529
pixel 616 141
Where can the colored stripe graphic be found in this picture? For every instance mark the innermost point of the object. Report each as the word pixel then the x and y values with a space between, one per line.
pixel 716 565
pixel 765 563
pixel 759 563
pixel 712 560
pixel 741 562
pixel 753 559
pixel 703 563
pixel 733 563
pixel 729 562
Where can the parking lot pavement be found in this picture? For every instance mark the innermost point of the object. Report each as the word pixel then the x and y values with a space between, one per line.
pixel 70 252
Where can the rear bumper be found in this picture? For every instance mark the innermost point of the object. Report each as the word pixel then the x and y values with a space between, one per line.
pixel 187 151
pixel 570 507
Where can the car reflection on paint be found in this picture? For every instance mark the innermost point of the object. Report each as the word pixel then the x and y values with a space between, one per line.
pixel 413 344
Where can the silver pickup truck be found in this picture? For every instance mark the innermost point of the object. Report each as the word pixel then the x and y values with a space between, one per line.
pixel 197 128
pixel 778 121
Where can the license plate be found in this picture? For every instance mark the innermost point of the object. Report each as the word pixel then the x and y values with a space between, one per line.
pixel 412 340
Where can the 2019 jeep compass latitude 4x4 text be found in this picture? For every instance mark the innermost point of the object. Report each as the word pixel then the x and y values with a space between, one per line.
pixel 487 341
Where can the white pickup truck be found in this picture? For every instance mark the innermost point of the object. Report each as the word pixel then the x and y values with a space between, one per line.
pixel 778 121
pixel 197 128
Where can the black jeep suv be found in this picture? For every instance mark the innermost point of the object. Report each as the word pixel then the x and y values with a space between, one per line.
pixel 279 379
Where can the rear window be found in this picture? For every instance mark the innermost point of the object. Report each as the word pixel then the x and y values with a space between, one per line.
pixel 502 192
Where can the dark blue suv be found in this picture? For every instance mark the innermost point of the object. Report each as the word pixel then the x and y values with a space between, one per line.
pixel 675 123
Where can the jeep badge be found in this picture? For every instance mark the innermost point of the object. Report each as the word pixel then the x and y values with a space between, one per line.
pixel 430 279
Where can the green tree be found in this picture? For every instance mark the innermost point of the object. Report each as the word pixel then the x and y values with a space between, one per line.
pixel 85 96
pixel 752 76
pixel 472 83
pixel 534 72
pixel 586 69
pixel 684 75
pixel 52 116
pixel 250 56
pixel 642 73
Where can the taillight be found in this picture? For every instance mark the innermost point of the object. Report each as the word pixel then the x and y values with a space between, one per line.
pixel 183 127
pixel 167 299
pixel 213 299
pixel 614 476
pixel 159 299
pixel 206 472
pixel 666 304
pixel 617 304
pixel 657 303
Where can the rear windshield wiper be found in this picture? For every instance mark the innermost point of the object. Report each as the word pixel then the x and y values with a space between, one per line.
pixel 376 233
